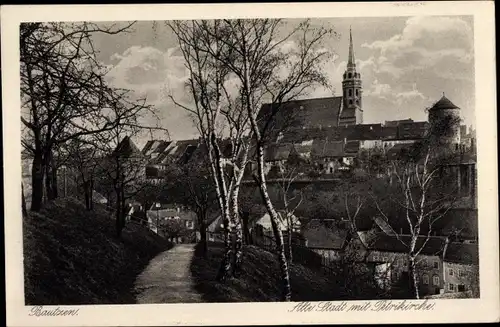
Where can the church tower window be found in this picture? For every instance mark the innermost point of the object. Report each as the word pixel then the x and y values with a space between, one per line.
pixel 357 92
pixel 350 101
pixel 349 75
pixel 350 92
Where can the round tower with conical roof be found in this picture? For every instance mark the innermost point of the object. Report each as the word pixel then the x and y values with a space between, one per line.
pixel 444 120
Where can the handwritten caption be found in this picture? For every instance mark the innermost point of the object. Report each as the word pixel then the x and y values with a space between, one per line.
pixel 409 4
pixel 385 305
pixel 39 311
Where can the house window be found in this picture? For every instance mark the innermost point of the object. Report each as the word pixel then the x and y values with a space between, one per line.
pixel 425 279
pixel 461 273
pixel 435 280
pixel 385 258
pixel 375 257
pixel 461 288
pixel 451 272
pixel 451 287
pixel 189 224
pixel 436 265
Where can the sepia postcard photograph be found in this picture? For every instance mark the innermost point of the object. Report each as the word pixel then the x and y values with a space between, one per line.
pixel 250 164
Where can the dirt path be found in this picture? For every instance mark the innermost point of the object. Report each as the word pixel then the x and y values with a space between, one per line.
pixel 167 278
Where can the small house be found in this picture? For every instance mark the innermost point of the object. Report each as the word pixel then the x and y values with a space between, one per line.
pixel 461 268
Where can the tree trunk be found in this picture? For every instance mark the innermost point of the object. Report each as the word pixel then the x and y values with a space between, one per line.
pixel 238 232
pixel 25 210
pixel 290 230
pixel 87 194
pixel 50 176
pixel 91 192
pixel 246 233
pixel 278 235
pixel 218 170
pixel 119 212
pixel 55 186
pixel 37 174
pixel 414 278
pixel 203 234
pixel 225 266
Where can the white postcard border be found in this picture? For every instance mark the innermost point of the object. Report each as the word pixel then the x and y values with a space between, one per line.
pixel 468 310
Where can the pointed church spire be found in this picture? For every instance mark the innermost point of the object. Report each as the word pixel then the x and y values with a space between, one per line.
pixel 352 61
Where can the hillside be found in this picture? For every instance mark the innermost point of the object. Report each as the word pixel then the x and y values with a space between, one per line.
pixel 259 280
pixel 71 256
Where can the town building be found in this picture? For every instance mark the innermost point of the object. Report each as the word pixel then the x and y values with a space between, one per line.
pixel 389 253
pixel 461 268
pixel 172 221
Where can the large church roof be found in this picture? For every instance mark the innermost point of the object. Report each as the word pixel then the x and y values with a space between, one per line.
pixel 444 103
pixel 306 113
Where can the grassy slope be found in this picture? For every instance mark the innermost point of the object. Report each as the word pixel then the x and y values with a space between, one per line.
pixel 71 256
pixel 259 280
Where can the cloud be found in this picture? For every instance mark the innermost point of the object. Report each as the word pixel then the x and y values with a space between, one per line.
pixel 423 43
pixel 408 70
pixel 155 75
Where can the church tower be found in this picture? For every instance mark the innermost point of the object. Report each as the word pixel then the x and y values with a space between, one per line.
pixel 352 106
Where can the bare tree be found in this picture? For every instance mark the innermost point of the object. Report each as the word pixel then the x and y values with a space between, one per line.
pixel 63 93
pixel 290 204
pixel 191 185
pixel 423 198
pixel 216 112
pixel 255 43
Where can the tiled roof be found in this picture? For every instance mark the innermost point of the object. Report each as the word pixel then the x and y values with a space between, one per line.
pixel 384 225
pixel 348 113
pixel 412 130
pixel 164 213
pixel 463 253
pixel 325 148
pixel 395 123
pixel 398 149
pixel 127 148
pixel 390 133
pixel 303 149
pixel 351 148
pixel 215 225
pixel 386 243
pixel 277 152
pixel 160 151
pixel 461 221
pixel 304 113
pixel 443 104
pixel 324 233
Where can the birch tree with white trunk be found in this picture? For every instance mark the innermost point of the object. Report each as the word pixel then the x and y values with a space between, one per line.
pixel 269 72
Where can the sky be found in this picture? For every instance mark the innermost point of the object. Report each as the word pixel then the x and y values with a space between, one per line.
pixel 406 64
